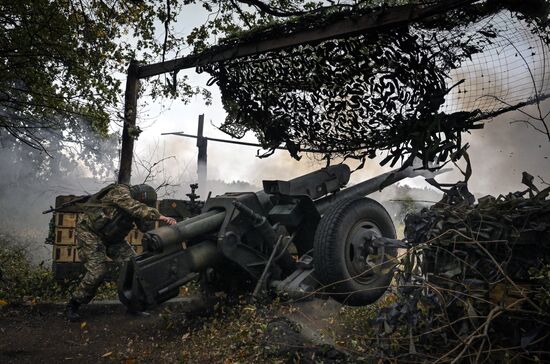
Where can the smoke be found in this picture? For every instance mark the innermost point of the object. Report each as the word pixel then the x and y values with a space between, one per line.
pixel 314 317
pixel 503 150
pixel 513 68
pixel 31 180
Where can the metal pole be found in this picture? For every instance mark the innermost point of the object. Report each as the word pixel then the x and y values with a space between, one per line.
pixel 202 144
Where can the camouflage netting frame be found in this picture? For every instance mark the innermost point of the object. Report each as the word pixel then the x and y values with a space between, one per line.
pixel 472 288
pixel 353 97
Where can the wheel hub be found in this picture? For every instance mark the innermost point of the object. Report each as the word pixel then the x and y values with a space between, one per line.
pixel 363 257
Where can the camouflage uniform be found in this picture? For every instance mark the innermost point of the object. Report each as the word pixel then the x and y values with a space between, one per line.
pixel 95 244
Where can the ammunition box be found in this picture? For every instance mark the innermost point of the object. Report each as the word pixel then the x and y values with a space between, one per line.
pixel 134 237
pixel 66 219
pixel 174 208
pixel 64 236
pixel 64 254
pixel 130 237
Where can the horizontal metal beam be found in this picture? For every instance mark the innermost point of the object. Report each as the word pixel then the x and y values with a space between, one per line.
pixel 244 143
pixel 377 19
pixel 216 139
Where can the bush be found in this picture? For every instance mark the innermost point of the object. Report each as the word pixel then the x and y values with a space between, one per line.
pixel 23 282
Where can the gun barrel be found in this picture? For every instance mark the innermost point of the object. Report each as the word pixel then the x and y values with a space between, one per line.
pixel 173 235
pixel 369 186
pixel 314 184
pixel 150 279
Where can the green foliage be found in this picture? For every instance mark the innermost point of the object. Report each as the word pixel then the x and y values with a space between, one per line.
pixel 60 60
pixel 20 281
pixel 24 283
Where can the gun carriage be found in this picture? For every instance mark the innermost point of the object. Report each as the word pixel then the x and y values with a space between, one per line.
pixel 297 237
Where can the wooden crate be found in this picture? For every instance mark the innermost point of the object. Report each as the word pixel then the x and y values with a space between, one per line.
pixel 66 219
pixel 64 254
pixel 64 236
pixel 134 237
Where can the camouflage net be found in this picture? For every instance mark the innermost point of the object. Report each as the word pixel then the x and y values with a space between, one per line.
pixel 410 91
pixel 471 288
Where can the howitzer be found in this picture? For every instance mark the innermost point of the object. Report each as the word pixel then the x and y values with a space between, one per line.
pixel 308 234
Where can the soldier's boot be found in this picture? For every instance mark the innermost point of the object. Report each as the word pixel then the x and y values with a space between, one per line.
pixel 71 311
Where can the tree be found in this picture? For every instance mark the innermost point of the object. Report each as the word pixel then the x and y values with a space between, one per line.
pixel 59 61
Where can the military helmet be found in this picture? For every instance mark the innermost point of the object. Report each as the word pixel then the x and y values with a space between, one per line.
pixel 144 193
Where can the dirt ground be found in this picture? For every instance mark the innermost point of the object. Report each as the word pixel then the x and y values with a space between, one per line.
pixel 40 333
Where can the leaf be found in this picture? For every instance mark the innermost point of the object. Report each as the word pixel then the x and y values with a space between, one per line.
pixel 3 302
pixel 107 354
pixel 83 325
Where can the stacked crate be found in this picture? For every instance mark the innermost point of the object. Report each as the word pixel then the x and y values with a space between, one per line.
pixel 65 243
pixel 134 238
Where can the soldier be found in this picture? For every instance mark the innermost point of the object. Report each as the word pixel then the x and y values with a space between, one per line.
pixel 109 216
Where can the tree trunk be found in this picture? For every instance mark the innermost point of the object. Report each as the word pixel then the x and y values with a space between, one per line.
pixel 129 128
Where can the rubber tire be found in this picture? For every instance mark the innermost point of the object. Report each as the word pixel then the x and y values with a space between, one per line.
pixel 329 251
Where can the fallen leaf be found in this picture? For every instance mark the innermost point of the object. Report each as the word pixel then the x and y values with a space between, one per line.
pixel 3 302
pixel 107 354
pixel 185 336
pixel 83 325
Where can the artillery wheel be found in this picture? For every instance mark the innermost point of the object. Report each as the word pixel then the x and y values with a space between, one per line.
pixel 354 271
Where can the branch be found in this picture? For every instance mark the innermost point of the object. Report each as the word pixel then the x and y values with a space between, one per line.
pixel 263 7
pixel 166 29
pixel 241 13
